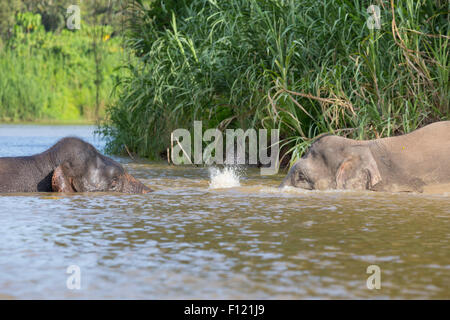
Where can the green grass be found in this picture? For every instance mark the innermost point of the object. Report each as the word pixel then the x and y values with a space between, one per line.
pixel 50 77
pixel 305 67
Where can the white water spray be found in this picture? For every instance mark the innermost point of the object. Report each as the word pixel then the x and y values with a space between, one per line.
pixel 223 178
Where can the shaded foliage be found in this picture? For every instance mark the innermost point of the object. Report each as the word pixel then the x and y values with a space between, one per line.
pixel 55 76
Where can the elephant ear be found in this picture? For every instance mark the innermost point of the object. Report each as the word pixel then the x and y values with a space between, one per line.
pixel 62 181
pixel 358 171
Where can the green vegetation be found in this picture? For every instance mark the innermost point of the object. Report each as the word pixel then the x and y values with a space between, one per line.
pixel 51 73
pixel 305 67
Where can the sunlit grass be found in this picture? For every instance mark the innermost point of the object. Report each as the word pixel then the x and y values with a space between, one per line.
pixel 51 77
pixel 305 67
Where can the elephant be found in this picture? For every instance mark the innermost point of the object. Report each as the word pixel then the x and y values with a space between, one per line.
pixel 413 162
pixel 71 165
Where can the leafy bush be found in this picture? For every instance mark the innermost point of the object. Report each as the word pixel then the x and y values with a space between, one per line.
pixel 305 67
pixel 51 76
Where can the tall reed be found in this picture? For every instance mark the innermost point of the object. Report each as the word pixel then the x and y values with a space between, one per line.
pixel 305 67
pixel 46 76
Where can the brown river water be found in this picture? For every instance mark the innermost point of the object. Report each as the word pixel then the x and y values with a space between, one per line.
pixel 207 236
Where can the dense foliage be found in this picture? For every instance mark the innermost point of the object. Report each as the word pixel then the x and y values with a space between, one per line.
pixel 51 73
pixel 305 67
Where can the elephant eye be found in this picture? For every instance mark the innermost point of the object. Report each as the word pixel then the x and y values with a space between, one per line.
pixel 301 176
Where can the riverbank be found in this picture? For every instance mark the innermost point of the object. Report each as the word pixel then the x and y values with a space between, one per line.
pixel 304 68
pixel 53 122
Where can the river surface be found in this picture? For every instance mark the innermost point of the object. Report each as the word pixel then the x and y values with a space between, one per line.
pixel 206 235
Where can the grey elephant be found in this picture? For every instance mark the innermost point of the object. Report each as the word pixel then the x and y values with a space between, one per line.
pixel 71 165
pixel 408 163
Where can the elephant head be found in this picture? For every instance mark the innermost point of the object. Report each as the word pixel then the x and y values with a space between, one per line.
pixel 89 171
pixel 334 162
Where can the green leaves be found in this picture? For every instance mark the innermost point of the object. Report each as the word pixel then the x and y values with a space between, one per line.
pixel 305 67
pixel 51 77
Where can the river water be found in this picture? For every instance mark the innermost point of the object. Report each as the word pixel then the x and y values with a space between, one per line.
pixel 211 235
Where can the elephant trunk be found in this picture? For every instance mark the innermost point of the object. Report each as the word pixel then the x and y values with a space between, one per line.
pixel 287 182
pixel 132 185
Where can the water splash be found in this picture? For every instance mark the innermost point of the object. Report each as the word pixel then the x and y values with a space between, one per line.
pixel 227 177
